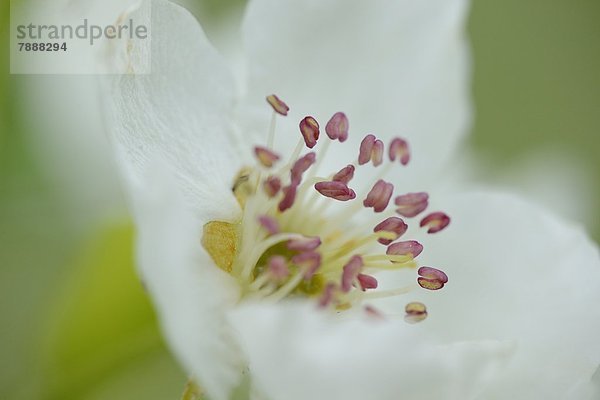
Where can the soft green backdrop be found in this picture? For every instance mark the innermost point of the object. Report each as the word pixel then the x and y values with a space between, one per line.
pixel 74 320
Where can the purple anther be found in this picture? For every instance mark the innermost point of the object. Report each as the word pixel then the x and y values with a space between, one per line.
pixel 278 268
pixel 367 282
pixel 351 271
pixel 411 204
pixel 304 243
pixel 410 248
pixel 377 153
pixel 289 196
pixel 269 223
pixel 337 127
pixel 301 166
pixel 335 190
pixel 272 185
pixel 431 278
pixel 379 196
pixel 436 221
pixel 309 127
pixel 308 262
pixel 279 106
pixel 328 295
pixel 399 149
pixel 366 148
pixel 265 156
pixel 373 312
pixel 345 174
pixel 393 225
pixel 371 149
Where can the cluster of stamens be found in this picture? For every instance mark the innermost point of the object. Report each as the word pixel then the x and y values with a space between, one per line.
pixel 289 244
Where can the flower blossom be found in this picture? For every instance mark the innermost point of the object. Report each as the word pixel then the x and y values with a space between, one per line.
pixel 307 244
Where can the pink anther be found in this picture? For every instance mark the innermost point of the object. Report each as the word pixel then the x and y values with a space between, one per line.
pixel 399 149
pixel 436 221
pixel 351 271
pixel 393 225
pixel 410 248
pixel 411 204
pixel 379 196
pixel 345 174
pixel 337 127
pixel 278 106
pixel 335 190
pixel 309 127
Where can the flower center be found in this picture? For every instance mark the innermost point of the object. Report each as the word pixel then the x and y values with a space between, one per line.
pixel 290 242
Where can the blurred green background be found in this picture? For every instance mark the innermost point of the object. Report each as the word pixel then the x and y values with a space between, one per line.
pixel 74 321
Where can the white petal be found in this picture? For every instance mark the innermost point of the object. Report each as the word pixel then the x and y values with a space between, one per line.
pixel 180 112
pixel 396 67
pixel 299 352
pixel 190 293
pixel 518 273
pixel 555 179
pixel 172 131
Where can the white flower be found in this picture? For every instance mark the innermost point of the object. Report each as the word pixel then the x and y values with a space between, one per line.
pixel 517 319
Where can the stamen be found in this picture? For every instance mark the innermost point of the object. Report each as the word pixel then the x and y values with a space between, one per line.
pixel 377 153
pixel 354 245
pixel 278 106
pixel 322 153
pixel 410 248
pixel 308 251
pixel 301 166
pixel 265 156
pixel 269 223
pixel 379 196
pixel 373 312
pixel 399 259
pixel 278 268
pixel 328 295
pixel 289 195
pixel 337 127
pixel 304 244
pixel 308 263
pixel 345 174
pixel 415 312
pixel 436 221
pixel 396 263
pixel 367 282
pixel 382 294
pixel 394 225
pixel 371 149
pixel 294 156
pixel 335 190
pixel 286 289
pixel 366 147
pixel 309 127
pixel 411 204
pixel 351 271
pixel 271 136
pixel 272 185
pixel 431 278
pixel 399 148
